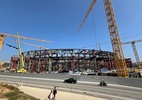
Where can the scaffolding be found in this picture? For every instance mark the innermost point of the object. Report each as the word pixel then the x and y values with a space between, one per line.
pixel 66 59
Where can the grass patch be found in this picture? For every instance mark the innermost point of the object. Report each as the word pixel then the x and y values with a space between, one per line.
pixel 13 93
pixel 10 87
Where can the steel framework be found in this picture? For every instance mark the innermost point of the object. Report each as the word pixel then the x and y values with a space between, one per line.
pixel 65 59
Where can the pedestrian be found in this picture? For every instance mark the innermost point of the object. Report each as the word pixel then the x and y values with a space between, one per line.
pixel 51 95
pixel 54 92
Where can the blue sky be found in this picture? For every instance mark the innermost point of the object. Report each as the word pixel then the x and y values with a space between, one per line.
pixel 58 21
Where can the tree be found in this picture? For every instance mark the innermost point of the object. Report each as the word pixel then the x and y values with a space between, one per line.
pixel 5 64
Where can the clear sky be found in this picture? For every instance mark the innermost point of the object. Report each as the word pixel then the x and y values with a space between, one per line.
pixel 58 21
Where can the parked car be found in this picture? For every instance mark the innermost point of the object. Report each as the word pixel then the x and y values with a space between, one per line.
pixel 70 80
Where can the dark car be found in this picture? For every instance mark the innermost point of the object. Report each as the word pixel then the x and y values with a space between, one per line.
pixel 70 80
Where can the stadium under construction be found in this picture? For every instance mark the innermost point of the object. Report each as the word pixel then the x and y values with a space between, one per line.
pixel 66 59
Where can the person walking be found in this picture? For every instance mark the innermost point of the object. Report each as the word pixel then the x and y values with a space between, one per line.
pixel 54 92
pixel 51 95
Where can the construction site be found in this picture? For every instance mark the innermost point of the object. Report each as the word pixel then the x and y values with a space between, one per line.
pixel 66 59
pixel 63 60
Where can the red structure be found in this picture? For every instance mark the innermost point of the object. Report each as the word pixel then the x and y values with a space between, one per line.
pixel 14 63
pixel 66 59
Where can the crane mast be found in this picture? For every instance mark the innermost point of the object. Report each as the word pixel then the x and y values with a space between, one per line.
pixel 20 54
pixel 135 51
pixel 1 41
pixel 119 59
pixel 120 62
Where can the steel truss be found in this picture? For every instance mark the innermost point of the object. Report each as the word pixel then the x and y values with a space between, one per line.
pixel 65 59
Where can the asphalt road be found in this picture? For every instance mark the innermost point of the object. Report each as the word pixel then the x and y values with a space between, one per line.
pixel 87 85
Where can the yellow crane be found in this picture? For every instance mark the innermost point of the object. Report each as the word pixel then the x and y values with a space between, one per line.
pixel 0 64
pixel 135 50
pixel 3 35
pixel 40 47
pixel 21 67
pixel 2 68
pixel 119 59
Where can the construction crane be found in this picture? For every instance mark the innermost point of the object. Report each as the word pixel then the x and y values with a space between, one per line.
pixel 21 67
pixel 3 35
pixel 2 68
pixel 135 51
pixel 11 46
pixel 119 59
pixel 40 47
pixel 0 64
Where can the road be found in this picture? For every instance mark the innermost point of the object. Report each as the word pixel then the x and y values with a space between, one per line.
pixel 48 81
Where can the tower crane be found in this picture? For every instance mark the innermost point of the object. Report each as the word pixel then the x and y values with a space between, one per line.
pixel 21 67
pixel 119 59
pixel 3 35
pixel 40 47
pixel 135 50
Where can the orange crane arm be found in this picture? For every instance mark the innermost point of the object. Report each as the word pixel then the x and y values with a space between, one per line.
pixel 88 12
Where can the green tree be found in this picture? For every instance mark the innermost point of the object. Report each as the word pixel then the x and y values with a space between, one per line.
pixel 6 64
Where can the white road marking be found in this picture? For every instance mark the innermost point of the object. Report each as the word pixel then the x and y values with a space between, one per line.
pixel 59 80
pixel 73 90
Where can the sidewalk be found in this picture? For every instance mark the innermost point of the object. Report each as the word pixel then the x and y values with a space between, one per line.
pixel 43 93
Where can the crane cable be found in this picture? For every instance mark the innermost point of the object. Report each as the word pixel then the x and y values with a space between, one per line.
pixel 94 29
pixel 110 41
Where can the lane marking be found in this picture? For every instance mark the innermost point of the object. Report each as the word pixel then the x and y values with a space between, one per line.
pixel 59 80
pixel 94 93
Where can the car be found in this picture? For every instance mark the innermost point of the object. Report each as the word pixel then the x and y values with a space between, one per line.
pixel 70 80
